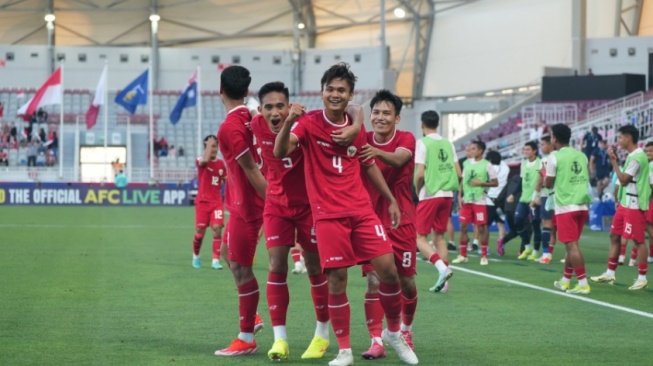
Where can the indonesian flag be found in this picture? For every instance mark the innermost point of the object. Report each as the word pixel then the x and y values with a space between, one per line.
pixel 48 94
pixel 98 100
pixel 20 94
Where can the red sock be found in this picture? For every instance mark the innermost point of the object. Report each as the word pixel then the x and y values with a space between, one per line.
pixel 248 295
pixel 484 245
pixel 340 313
pixel 568 272
pixel 612 264
pixel 463 247
pixel 296 254
pixel 434 258
pixel 390 299
pixel 278 297
pixel 197 243
pixel 643 268
pixel 650 250
pixel 320 294
pixel 623 248
pixel 408 306
pixel 217 242
pixel 633 252
pixel 551 247
pixel 580 273
pixel 373 314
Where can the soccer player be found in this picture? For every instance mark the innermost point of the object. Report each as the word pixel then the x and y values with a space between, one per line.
pixel 348 232
pixel 287 217
pixel 437 175
pixel 649 213
pixel 211 173
pixel 393 150
pixel 600 167
pixel 545 215
pixel 567 170
pixel 246 188
pixel 478 174
pixel 494 211
pixel 629 222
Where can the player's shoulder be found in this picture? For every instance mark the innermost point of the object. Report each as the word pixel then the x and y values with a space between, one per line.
pixel 405 136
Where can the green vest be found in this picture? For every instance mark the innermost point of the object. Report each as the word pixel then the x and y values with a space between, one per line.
pixel 572 178
pixel 472 172
pixel 439 167
pixel 643 188
pixel 529 179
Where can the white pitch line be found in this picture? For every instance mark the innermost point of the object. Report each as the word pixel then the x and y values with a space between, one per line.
pixel 92 226
pixel 575 297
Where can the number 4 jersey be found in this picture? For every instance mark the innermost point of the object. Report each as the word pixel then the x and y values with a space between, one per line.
pixel 333 174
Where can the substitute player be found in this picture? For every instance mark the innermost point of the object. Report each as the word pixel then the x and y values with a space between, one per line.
pixel 348 232
pixel 437 175
pixel 478 174
pixel 244 199
pixel 392 149
pixel 629 221
pixel 545 215
pixel 211 173
pixel 287 211
pixel 567 170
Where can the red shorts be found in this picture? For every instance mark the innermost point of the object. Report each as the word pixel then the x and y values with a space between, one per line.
pixel 554 223
pixel 629 223
pixel 404 244
pixel 280 224
pixel 433 215
pixel 649 213
pixel 473 214
pixel 207 214
pixel 571 225
pixel 347 241
pixel 242 237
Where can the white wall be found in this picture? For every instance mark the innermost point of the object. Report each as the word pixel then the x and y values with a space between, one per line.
pixel 597 55
pixel 489 45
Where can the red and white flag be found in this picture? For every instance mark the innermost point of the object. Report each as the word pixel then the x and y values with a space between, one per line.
pixel 20 94
pixel 48 94
pixel 98 100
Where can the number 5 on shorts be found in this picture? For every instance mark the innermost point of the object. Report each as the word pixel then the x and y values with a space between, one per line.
pixel 218 214
pixel 629 228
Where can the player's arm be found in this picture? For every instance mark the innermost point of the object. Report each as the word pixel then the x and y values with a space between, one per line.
pixel 253 173
pixel 592 170
pixel 206 156
pixel 285 143
pixel 419 177
pixel 346 135
pixel 549 180
pixel 252 106
pixel 623 177
pixel 394 159
pixel 538 187
pixel 376 178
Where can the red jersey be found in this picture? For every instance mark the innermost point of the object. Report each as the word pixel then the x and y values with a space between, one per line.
pixel 210 176
pixel 332 172
pixel 235 139
pixel 399 180
pixel 286 183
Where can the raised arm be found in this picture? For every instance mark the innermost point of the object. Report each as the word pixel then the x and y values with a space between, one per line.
pixel 286 143
pixel 206 156
pixel 623 177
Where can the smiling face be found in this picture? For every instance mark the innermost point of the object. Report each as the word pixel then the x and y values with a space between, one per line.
pixel 528 152
pixel 384 118
pixel 546 147
pixel 649 152
pixel 336 95
pixel 274 109
pixel 475 152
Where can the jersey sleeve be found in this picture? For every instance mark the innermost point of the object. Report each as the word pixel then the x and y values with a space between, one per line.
pixel 299 130
pixel 633 168
pixel 233 141
pixel 420 152
pixel 359 142
pixel 551 166
pixel 407 142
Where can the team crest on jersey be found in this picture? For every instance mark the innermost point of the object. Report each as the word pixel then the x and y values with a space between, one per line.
pixel 351 151
pixel 220 172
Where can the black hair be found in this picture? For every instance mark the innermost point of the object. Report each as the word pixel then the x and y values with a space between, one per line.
pixel 275 86
pixel 339 71
pixel 631 131
pixel 480 144
pixel 431 119
pixel 650 143
pixel 562 133
pixel 493 157
pixel 234 82
pixel 207 139
pixel 532 145
pixel 546 138
pixel 385 95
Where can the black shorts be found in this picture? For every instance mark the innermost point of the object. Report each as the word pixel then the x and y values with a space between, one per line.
pixel 493 215
pixel 602 174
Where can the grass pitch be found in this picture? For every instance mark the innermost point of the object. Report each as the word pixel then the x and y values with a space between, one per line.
pixel 115 286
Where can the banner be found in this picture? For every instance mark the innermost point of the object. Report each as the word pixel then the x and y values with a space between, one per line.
pixel 29 194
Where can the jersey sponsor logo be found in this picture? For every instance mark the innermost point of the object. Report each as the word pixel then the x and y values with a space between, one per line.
pixel 442 155
pixel 322 143
pixel 576 168
pixel 334 259
pixel 268 143
pixel 275 237
pixel 351 151
pixel 209 169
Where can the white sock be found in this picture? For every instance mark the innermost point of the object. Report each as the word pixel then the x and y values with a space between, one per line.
pixel 322 330
pixel 377 340
pixel 247 337
pixel 440 265
pixel 583 282
pixel 527 247
pixel 536 252
pixel 475 241
pixel 564 280
pixel 195 256
pixel 641 277
pixel 406 328
pixel 280 332
pixel 610 272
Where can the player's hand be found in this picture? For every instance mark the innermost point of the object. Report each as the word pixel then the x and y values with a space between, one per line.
pixel 510 199
pixel 460 203
pixel 612 154
pixel 476 183
pixel 395 214
pixel 533 204
pixel 346 135
pixel 369 152
pixel 296 110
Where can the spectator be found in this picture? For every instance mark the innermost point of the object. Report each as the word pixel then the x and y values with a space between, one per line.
pixel 180 151
pixel 42 136
pixel 40 160
pixel 591 141
pixel 53 141
pixel 163 142
pixel 51 160
pixel 121 180
pixel 590 72
pixel 2 110
pixel 4 157
pixel 163 151
pixel 172 152
pixel 600 167
pixel 32 153
pixel 157 147
pixel 13 131
pixel 41 116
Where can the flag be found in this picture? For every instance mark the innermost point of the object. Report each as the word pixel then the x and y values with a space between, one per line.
pixel 188 98
pixel 134 94
pixel 20 94
pixel 98 100
pixel 48 94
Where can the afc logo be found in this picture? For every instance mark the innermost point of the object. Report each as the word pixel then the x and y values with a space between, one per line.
pixel 576 168
pixel 442 155
pixel 472 175
pixel 527 177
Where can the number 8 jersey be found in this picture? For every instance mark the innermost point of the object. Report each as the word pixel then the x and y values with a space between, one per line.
pixel 333 176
